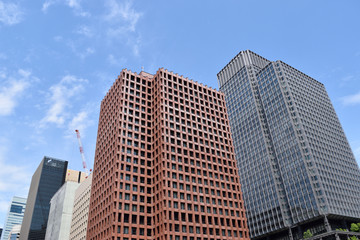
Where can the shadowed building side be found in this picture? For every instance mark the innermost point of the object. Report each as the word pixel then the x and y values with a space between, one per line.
pixel 296 167
pixel 47 179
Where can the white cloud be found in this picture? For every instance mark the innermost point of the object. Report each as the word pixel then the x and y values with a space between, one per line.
pixel 73 4
pixel 88 51
pixel 58 38
pixel 64 108
pixel 136 46
pixel 116 61
pixel 10 13
pixel 9 178
pixel 117 25
pixel 85 31
pixel 121 19
pixel 4 206
pixel 351 99
pixel 106 81
pixel 83 54
pixel 348 78
pixel 46 5
pixel 60 100
pixel 31 55
pixel 12 90
pixel 80 121
pixel 122 12
pixel 80 53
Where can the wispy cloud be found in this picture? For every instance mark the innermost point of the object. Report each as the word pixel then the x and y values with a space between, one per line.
pixel 9 173
pixel 60 100
pixel 124 13
pixel 73 4
pixel 80 121
pixel 121 19
pixel 106 79
pixel 85 31
pixel 13 89
pixel 117 24
pixel 77 47
pixel 9 178
pixel 351 99
pixel 58 38
pixel 87 52
pixel 135 44
pixel 348 78
pixel 116 61
pixel 81 53
pixel 10 13
pixel 64 109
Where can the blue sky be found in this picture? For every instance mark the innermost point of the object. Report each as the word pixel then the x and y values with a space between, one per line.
pixel 59 57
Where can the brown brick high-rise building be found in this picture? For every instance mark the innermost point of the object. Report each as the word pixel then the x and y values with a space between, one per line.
pixel 164 163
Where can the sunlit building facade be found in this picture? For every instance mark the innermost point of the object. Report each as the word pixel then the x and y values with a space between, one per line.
pixel 164 163
pixel 15 215
pixel 80 213
pixel 61 207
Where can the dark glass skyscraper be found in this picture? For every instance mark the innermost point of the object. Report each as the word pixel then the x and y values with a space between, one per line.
pixel 47 179
pixel 296 167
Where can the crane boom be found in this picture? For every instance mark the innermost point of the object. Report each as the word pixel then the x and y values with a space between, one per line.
pixel 82 153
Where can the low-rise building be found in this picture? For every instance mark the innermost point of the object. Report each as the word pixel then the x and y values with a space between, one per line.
pixel 81 210
pixel 61 207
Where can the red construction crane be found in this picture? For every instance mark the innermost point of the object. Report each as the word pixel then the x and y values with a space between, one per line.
pixel 82 153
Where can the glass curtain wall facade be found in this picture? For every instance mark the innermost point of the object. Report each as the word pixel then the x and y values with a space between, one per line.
pixel 296 167
pixel 14 216
pixel 164 163
pixel 46 181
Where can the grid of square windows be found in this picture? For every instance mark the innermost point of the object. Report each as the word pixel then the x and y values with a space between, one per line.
pixel 165 165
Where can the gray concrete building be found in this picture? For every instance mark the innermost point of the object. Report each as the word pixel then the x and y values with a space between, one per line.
pixel 61 207
pixel 15 215
pixel 81 210
pixel 297 170
pixel 47 179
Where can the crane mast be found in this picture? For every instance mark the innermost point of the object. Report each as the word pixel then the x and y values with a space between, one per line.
pixel 82 153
